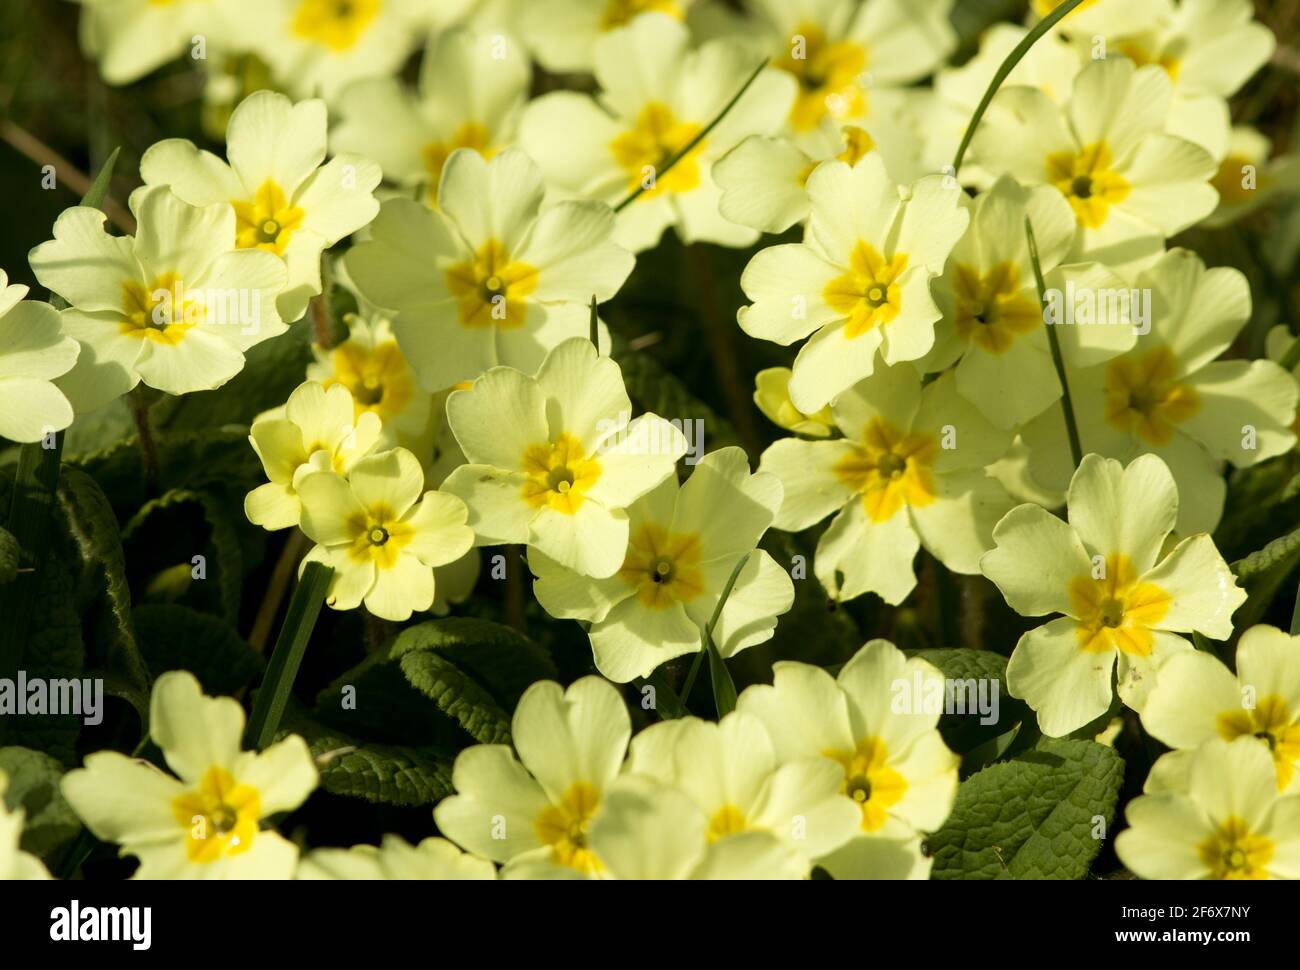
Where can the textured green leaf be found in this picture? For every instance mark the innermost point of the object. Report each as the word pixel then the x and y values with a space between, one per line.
pixel 10 555
pixel 653 388
pixel 390 774
pixel 501 658
pixel 34 778
pixel 1031 818
pixel 175 637
pixel 165 532
pixel 964 733
pixel 94 531
pixel 53 650
pixel 457 695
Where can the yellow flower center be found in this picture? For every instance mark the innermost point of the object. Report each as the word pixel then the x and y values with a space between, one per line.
pixel 857 143
pixel 890 469
pixel 564 828
pixel 828 73
pixel 645 151
pixel 469 135
pixel 491 288
pixel 1116 611
pixel 870 782
pixel 378 377
pixel 1145 398
pixel 221 816
pixel 663 567
pixel 161 312
pixel 268 222
pixel 620 12
pixel 1272 722
pixel 338 24
pixel 869 294
pixel 1229 179
pixel 559 474
pixel 991 310
pixel 1088 182
pixel 728 820
pixel 1234 852
pixel 378 536
pixel 1142 55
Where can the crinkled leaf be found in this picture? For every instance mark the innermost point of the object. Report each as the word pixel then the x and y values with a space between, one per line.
pixel 34 777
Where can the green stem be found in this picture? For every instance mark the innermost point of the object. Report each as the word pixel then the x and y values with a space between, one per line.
pixel 138 401
pixel 1003 72
pixel 694 142
pixel 277 685
pixel 708 647
pixel 1067 405
pixel 595 325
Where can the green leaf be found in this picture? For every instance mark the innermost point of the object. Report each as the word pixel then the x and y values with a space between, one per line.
pixel 220 460
pixel 94 531
pixel 388 774
pixel 34 778
pixel 473 671
pixel 53 648
pixel 1031 818
pixel 1262 574
pixel 963 732
pixel 163 535
pixel 175 637
pixel 10 556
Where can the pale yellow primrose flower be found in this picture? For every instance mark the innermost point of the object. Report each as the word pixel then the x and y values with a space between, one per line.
pixel 1209 49
pixel 764 181
pixel 380 536
pixel 487 279
pixel 317 47
pixel 1226 821
pixel 33 352
pixel 731 771
pixel 370 365
pixel 285 198
pixel 909 472
pixel 1169 396
pixel 772 396
pixel 175 307
pixel 1197 698
pixel 536 812
pixel 993 324
pixel 471 91
pixel 892 762
pixel 1249 177
pixel 1096 17
pixel 683 543
pixel 941 116
pixel 846 56
pixel 15 864
pixel 1120 599
pixel 648 830
pixel 1131 184
pixel 563 34
pixel 206 824
pixel 130 38
pixel 657 95
pixel 860 281
pixel 554 460
pixel 395 859
pixel 314 421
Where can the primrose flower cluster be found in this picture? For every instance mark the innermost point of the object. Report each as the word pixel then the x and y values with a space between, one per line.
pixel 1007 375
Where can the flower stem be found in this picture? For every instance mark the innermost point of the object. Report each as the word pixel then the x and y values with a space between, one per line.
pixel 138 401
pixel 694 142
pixel 595 326
pixel 273 696
pixel 1067 405
pixel 1003 72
